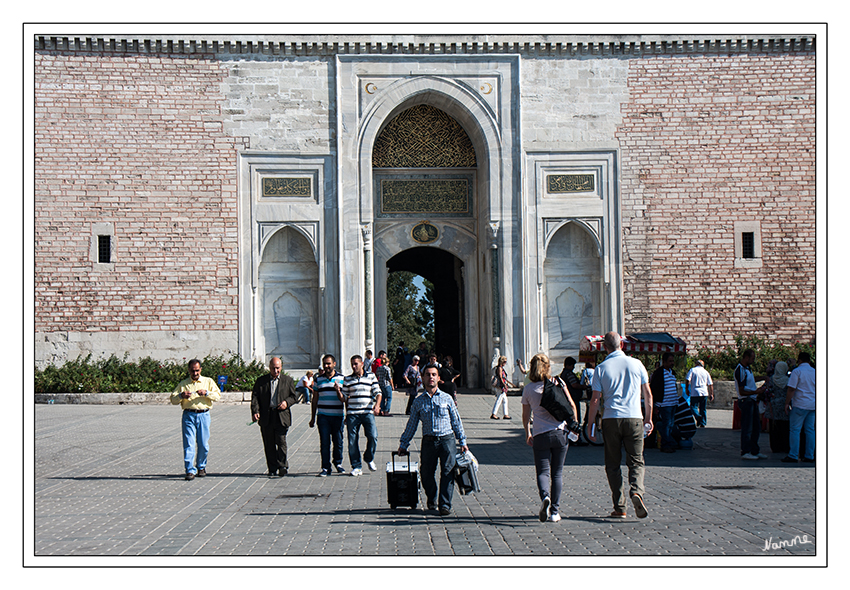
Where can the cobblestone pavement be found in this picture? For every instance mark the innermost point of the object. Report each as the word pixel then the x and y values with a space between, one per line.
pixel 109 482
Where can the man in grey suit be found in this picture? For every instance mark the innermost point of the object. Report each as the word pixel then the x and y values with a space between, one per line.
pixel 271 399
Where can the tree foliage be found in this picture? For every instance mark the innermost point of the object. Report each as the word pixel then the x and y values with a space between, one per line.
pixel 409 319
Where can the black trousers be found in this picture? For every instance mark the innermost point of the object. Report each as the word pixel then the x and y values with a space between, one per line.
pixel 274 444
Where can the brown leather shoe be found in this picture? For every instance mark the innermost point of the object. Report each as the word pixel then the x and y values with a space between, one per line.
pixel 190 476
pixel 202 472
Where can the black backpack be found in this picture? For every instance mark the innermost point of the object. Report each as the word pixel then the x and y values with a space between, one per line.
pixel 554 401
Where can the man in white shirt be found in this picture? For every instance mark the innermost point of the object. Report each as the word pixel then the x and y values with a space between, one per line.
pixel 700 388
pixel 800 405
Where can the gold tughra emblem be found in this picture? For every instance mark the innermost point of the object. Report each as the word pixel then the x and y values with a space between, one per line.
pixel 424 233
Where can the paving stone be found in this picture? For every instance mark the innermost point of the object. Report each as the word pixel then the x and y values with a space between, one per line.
pixel 108 481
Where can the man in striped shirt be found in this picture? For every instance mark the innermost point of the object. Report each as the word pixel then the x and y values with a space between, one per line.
pixel 440 426
pixel 327 411
pixel 665 397
pixel 362 397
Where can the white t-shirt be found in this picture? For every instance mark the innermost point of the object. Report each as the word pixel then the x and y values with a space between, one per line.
pixel 305 381
pixel 803 380
pixel 543 420
pixel 698 381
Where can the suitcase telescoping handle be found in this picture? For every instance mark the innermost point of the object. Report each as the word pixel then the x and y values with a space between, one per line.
pixel 393 456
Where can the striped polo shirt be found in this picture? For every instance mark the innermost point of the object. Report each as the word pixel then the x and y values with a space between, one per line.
pixel 328 402
pixel 671 395
pixel 361 392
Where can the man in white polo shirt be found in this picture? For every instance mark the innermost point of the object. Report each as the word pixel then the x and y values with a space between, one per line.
pixel 618 383
pixel 701 389
pixel 800 400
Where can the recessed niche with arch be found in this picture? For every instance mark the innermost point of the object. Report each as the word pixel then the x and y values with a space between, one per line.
pixel 573 283
pixel 288 290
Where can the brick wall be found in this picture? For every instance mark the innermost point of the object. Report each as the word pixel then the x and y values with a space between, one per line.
pixel 707 141
pixel 135 141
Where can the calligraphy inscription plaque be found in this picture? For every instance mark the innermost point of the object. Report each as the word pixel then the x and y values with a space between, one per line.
pixel 287 187
pixel 425 196
pixel 569 183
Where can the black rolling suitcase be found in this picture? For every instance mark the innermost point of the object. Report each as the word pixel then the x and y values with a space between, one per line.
pixel 402 482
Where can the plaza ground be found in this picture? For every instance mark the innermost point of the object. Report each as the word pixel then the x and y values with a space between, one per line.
pixel 108 482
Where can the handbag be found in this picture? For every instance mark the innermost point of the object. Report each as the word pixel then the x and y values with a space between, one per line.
pixel 554 401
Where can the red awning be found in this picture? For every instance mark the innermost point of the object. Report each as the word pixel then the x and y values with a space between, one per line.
pixel 630 345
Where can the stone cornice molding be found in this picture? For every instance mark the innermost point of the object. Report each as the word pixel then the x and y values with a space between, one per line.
pixel 575 46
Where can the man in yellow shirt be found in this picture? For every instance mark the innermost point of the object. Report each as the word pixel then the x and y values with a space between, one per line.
pixel 196 395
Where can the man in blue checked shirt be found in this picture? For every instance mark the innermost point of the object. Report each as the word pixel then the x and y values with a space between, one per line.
pixel 440 425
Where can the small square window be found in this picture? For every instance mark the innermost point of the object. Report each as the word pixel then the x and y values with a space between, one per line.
pixel 748 244
pixel 104 249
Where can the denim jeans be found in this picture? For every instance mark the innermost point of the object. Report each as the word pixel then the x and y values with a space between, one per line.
pixel 802 420
pixel 619 434
pixel 444 449
pixel 330 431
pixel 303 392
pixel 386 398
pixel 750 426
pixel 550 451
pixel 667 415
pixel 698 406
pixel 353 423
pixel 196 430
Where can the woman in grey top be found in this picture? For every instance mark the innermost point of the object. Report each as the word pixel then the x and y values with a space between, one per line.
pixel 549 439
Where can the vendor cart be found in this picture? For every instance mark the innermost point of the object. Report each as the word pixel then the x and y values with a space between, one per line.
pixel 650 343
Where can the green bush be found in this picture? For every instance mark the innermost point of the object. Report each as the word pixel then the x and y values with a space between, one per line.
pixel 114 375
pixel 721 363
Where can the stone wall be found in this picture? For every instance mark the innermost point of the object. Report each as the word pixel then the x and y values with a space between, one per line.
pixel 708 142
pixel 132 146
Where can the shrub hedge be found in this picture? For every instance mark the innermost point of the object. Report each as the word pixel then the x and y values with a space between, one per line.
pixel 113 375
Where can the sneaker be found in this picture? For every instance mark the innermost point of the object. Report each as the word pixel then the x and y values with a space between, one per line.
pixel 324 472
pixel 749 457
pixel 372 466
pixel 554 517
pixel 804 460
pixel 340 469
pixel 445 511
pixel 640 507
pixel 788 460
pixel 761 456
pixel 432 505
pixel 356 472
pixel 544 509
pixel 617 514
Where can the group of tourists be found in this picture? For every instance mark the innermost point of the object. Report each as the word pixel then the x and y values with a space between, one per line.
pixel 620 389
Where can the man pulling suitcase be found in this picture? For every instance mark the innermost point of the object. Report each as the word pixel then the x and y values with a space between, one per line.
pixel 441 424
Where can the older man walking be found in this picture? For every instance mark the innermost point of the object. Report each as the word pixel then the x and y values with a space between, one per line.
pixel 618 383
pixel 271 398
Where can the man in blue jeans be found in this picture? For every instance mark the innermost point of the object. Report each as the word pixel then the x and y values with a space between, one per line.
pixel 441 424
pixel 196 395
pixel 800 405
pixel 328 412
pixel 362 397
pixel 749 404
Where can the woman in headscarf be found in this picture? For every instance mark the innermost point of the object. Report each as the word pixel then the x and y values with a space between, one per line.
pixel 778 419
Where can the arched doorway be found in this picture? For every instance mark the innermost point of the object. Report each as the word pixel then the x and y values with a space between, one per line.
pixel 445 271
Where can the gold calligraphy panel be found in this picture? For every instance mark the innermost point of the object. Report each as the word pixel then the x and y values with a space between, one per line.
pixel 423 137
pixel 440 196
pixel 569 183
pixel 286 187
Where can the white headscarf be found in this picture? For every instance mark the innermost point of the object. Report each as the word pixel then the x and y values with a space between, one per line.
pixel 780 376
